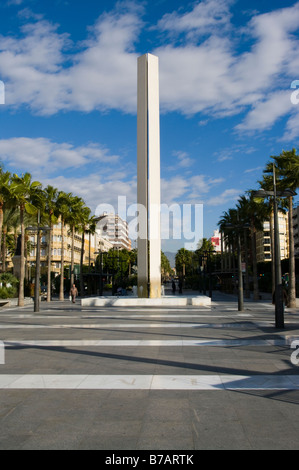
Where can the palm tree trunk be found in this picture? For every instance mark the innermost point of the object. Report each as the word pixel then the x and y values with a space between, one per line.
pixel 49 286
pixel 22 259
pixel 1 225
pixel 292 277
pixel 81 264
pixel 256 295
pixel 73 256
pixel 247 287
pixel 61 291
pixel 222 261
pixel 4 249
pixel 272 253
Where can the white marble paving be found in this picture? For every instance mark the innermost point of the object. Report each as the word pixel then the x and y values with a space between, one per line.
pixel 155 343
pixel 149 382
pixel 123 316
pixel 243 325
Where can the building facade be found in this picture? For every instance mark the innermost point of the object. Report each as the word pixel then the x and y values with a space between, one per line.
pixel 93 244
pixel 116 231
pixel 263 239
pixel 216 241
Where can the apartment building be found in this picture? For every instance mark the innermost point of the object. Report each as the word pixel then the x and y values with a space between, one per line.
pixel 93 244
pixel 263 239
pixel 216 241
pixel 116 231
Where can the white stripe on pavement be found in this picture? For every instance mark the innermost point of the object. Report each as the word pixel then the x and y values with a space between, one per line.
pixel 139 325
pixel 143 343
pixel 150 382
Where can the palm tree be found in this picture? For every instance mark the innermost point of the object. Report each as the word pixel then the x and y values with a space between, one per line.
pixel 62 207
pixel 230 236
pixel 51 194
pixel 23 189
pixel 254 212
pixel 183 261
pixel 4 195
pixel 287 172
pixel 11 223
pixel 73 220
pixel 84 217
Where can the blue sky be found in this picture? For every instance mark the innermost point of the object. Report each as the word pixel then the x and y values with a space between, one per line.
pixel 70 75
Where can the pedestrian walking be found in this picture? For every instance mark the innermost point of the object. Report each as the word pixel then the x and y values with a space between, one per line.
pixel 73 293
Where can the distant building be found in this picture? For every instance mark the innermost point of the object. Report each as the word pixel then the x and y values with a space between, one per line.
pixel 263 239
pixel 216 241
pixel 115 230
pixel 296 229
pixel 93 243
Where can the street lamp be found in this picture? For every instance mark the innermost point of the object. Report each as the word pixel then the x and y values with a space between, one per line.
pixel 262 193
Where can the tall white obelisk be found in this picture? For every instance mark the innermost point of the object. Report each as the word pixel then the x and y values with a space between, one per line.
pixel 148 177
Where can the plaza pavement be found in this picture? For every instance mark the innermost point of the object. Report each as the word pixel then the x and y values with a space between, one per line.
pixel 141 378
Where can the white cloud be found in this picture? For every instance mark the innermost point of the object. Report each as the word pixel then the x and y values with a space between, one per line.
pixel 253 170
pixel 206 16
pixel 291 133
pixel 94 190
pixel 228 195
pixel 41 70
pixel 265 113
pixel 184 161
pixel 42 154
pixel 101 76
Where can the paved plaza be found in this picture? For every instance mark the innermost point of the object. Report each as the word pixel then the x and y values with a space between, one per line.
pixel 149 378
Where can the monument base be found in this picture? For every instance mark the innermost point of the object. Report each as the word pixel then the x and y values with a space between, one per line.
pixel 165 301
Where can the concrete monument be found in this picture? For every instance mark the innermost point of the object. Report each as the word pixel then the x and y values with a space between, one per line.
pixel 148 177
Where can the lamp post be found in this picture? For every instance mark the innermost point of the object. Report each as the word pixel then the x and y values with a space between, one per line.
pixel 262 193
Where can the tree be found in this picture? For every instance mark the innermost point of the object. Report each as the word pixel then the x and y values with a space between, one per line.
pixel 23 189
pixel 287 174
pixel 11 223
pixel 165 265
pixel 229 217
pixel 50 194
pixel 84 219
pixel 252 212
pixel 62 207
pixel 183 261
pixel 5 196
pixel 73 220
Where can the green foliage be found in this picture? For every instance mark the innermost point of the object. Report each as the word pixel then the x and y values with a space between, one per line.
pixel 8 278
pixel 8 286
pixel 8 292
pixel 183 261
